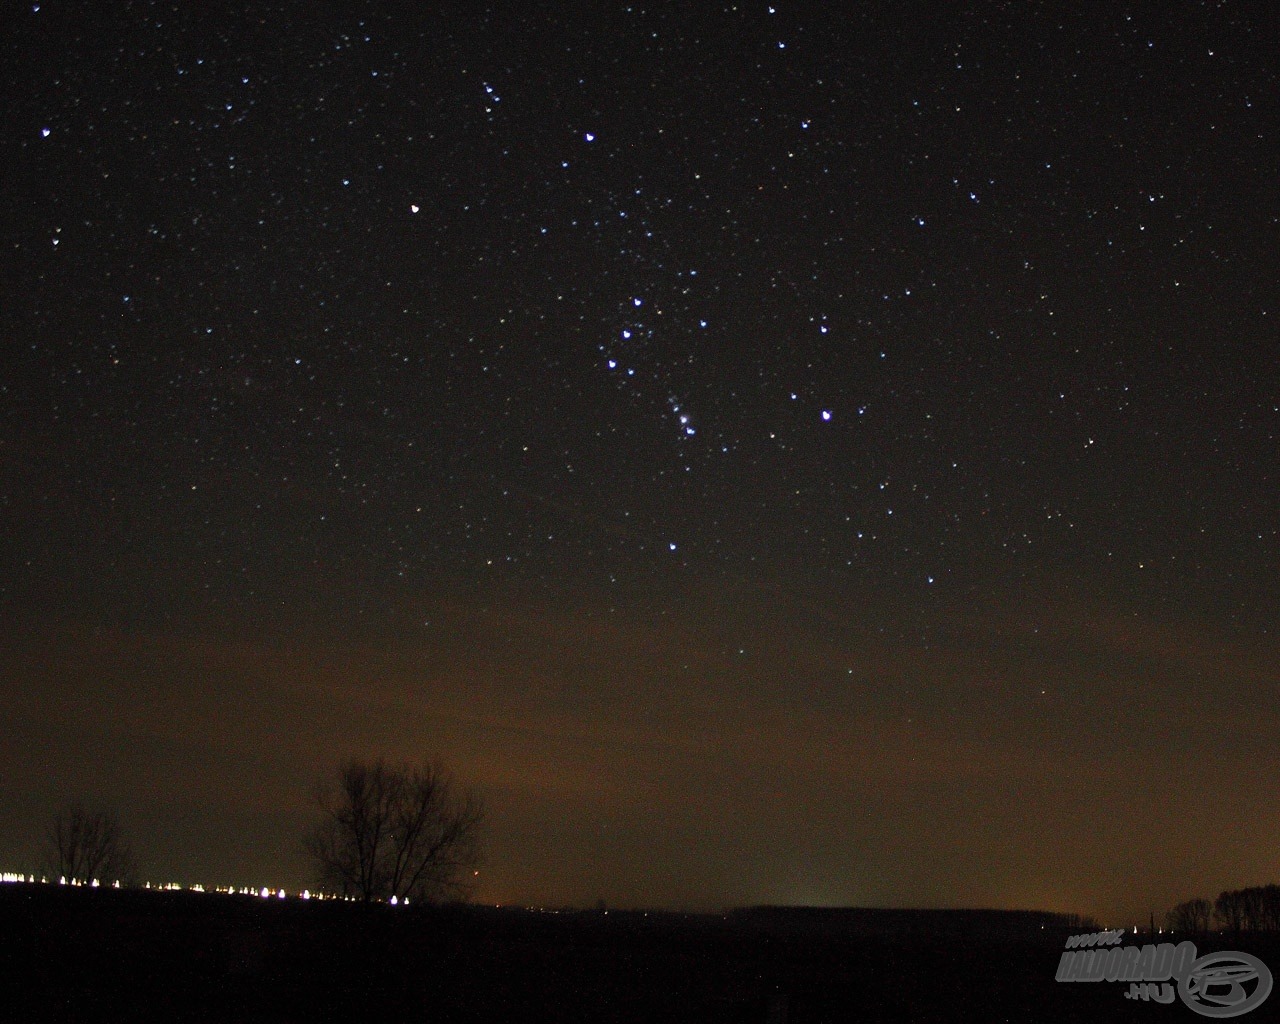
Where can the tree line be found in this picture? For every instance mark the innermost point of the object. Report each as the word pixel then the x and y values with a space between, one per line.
pixel 1253 909
pixel 381 832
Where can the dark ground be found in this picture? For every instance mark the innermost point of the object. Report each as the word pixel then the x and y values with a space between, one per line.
pixel 98 955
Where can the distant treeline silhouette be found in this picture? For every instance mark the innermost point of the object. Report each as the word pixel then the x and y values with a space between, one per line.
pixel 1254 909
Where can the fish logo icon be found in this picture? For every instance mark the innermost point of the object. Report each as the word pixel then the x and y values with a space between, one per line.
pixel 1225 984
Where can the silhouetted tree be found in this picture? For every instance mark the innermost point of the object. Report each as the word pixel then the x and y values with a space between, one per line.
pixel 1190 916
pixel 1271 907
pixel 388 831
pixel 1254 909
pixel 1230 910
pixel 84 845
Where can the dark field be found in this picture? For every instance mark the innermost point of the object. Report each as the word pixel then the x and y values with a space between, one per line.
pixel 86 955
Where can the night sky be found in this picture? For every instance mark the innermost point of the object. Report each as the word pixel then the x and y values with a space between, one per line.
pixel 772 454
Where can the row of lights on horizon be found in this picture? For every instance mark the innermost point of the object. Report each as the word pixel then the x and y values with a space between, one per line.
pixel 263 893
pixel 13 877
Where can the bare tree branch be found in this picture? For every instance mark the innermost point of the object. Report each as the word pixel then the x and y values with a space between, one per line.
pixel 84 845
pixel 398 832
